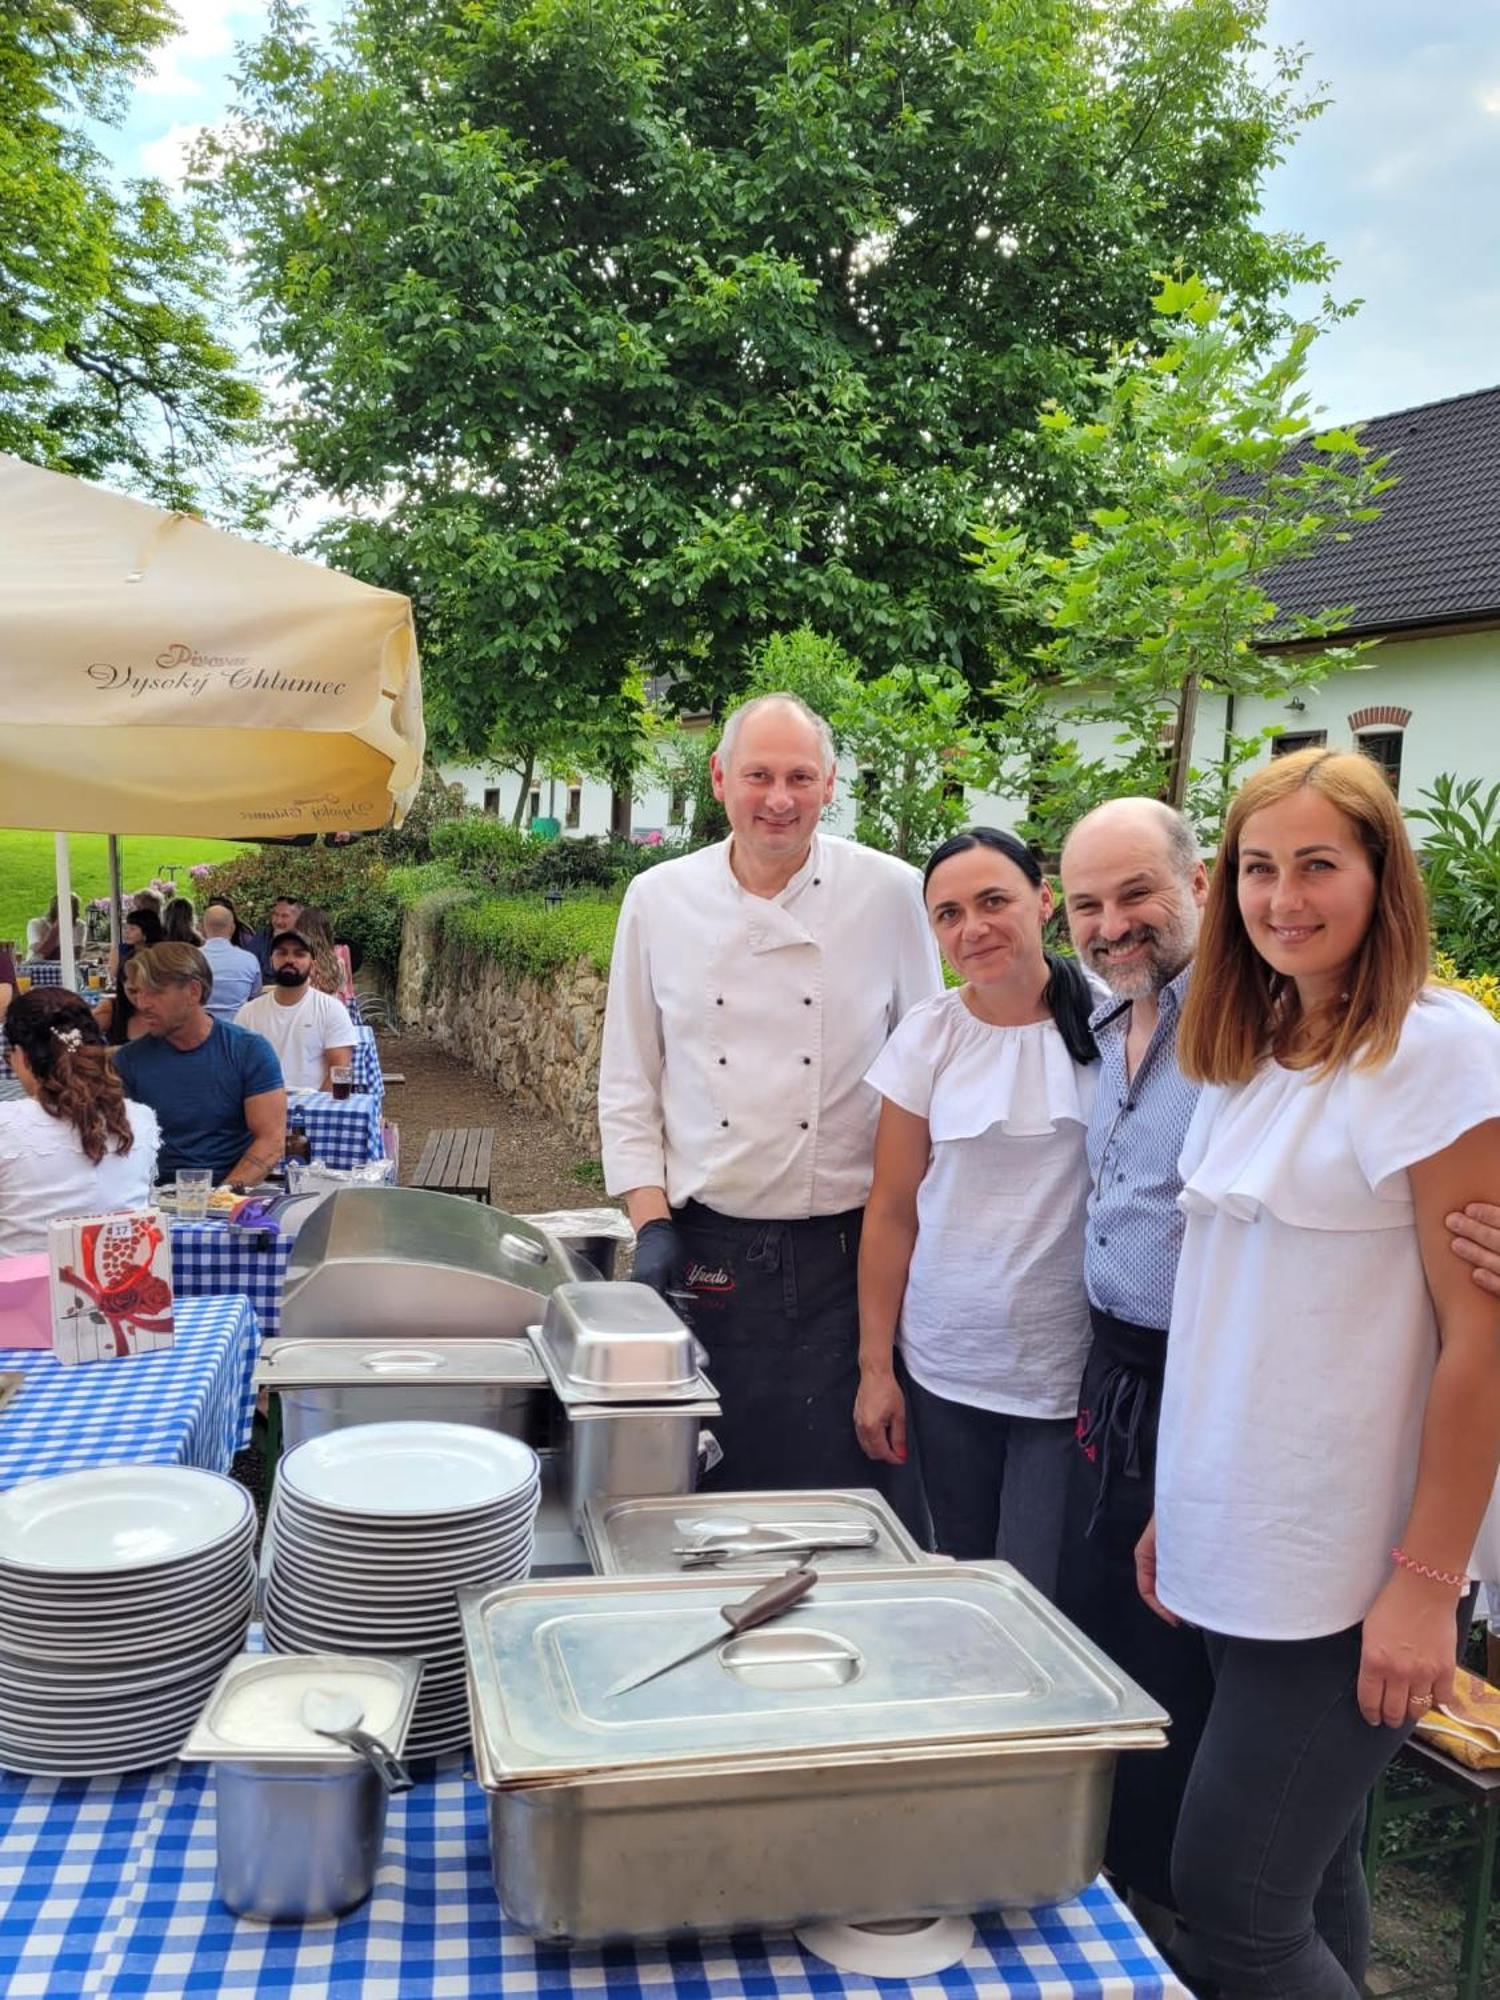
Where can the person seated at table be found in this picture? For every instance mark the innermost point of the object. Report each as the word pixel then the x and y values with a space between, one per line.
pixel 216 1088
pixel 115 1014
pixel 310 1031
pixel 73 1145
pixel 237 975
pixel 44 934
pixel 7 975
pixel 180 921
pixel 333 971
pixel 285 912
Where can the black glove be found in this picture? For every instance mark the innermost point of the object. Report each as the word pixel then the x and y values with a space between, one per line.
pixel 660 1255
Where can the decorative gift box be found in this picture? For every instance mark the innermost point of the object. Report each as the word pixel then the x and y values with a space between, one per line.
pixel 111 1285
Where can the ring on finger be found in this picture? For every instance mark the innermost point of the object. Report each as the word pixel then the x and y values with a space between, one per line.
pixel 1419 1702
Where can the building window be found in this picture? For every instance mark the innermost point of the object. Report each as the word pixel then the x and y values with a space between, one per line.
pixel 492 801
pixel 1383 746
pixel 534 803
pixel 1299 739
pixel 575 805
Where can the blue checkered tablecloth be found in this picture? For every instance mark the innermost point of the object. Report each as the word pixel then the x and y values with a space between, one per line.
pixel 41 971
pixel 343 1134
pixel 366 1065
pixel 189 1404
pixel 215 1258
pixel 108 1889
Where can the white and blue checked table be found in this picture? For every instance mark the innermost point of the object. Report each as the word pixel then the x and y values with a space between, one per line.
pixel 215 1258
pixel 341 1134
pixel 107 1889
pixel 366 1064
pixel 189 1404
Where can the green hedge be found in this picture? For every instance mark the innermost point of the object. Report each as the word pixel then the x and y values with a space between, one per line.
pixel 518 933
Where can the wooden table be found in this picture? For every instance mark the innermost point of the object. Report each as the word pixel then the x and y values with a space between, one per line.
pixel 457 1163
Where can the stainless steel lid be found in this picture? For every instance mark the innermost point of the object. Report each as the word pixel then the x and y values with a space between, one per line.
pixel 884 1661
pixel 610 1341
pixel 645 1537
pixel 391 1364
pixel 253 1715
pixel 377 1261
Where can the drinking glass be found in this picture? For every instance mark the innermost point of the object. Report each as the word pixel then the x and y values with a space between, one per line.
pixel 341 1080
pixel 194 1184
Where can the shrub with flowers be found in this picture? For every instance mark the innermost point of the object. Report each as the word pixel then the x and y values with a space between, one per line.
pixel 1481 986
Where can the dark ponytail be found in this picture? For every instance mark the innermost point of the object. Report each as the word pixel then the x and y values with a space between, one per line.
pixel 1068 996
pixel 77 1081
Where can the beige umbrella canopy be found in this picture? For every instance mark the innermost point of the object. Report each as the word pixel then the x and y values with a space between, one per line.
pixel 159 676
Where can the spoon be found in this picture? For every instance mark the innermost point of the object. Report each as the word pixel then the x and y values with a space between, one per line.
pixel 337 1715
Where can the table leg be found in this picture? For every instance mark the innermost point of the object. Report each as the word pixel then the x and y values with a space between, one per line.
pixel 1481 1887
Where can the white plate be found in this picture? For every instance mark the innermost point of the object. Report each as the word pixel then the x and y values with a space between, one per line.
pixel 115 1518
pixel 94 1764
pixel 405 1469
pixel 391 1579
pixel 86 1596
pixel 349 1545
pixel 112 1643
pixel 326 1632
pixel 125 1680
pixel 34 1731
pixel 415 1531
pixel 172 1611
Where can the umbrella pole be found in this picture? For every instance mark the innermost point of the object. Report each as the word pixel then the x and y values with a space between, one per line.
pixel 116 899
pixel 65 951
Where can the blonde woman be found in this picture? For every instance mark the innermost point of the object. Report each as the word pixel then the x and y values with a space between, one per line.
pixel 1331 1414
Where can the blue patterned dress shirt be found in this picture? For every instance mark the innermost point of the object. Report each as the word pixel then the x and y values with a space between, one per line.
pixel 1135 1140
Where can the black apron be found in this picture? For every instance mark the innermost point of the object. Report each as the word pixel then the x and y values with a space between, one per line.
pixel 1110 1502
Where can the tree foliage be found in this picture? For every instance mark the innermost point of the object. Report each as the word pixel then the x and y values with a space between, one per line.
pixel 1215 481
pixel 630 331
pixel 110 363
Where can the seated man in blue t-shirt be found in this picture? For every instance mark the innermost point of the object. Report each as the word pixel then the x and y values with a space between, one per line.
pixel 216 1089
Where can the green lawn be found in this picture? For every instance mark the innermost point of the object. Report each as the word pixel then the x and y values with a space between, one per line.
pixel 27 878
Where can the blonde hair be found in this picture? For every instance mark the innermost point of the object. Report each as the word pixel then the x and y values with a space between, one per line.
pixel 1238 1009
pixel 167 964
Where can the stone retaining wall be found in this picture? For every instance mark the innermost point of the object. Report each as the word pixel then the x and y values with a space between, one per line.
pixel 538 1039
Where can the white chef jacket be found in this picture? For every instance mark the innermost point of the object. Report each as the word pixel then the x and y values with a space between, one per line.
pixel 739 1028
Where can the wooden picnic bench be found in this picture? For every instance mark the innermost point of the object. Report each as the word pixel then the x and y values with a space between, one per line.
pixel 457 1162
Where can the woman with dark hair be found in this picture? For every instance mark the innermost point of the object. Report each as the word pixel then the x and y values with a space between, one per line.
pixel 142 927
pixel 972 1251
pixel 1330 1420
pixel 74 1145
pixel 179 922
pixel 331 969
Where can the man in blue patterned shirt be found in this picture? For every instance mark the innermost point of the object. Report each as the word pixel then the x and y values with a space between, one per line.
pixel 1133 887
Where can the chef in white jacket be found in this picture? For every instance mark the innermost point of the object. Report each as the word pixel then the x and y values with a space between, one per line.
pixel 752 985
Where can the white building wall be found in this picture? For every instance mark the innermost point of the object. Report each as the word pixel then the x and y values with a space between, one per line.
pixel 1451 685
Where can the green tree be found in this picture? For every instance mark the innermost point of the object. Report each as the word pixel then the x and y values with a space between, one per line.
pixel 635 330
pixel 110 363
pixel 1215 480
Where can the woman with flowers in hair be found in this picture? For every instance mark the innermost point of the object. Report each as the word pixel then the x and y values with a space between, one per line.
pixel 74 1144
pixel 1330 1421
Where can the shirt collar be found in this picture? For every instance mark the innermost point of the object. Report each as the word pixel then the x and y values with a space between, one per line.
pixel 1169 1000
pixel 803 876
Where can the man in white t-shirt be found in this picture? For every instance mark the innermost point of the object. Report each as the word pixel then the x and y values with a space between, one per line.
pixel 311 1032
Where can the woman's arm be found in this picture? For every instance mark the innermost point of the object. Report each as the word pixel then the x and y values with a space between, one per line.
pixel 902 1149
pixel 1410 1632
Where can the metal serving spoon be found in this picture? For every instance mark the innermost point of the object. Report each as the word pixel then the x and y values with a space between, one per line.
pixel 336 1714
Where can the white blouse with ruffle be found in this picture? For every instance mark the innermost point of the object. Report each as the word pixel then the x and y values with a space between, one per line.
pixel 1303 1338
pixel 995 1313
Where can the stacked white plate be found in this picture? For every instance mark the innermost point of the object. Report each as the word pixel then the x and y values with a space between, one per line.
pixel 123 1592
pixel 376 1528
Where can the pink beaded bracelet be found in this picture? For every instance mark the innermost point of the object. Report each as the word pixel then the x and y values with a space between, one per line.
pixel 1454 1580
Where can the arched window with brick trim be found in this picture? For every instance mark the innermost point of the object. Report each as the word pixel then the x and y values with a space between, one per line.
pixel 1380 733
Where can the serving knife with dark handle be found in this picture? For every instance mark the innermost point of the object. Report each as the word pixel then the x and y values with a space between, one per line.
pixel 779 1595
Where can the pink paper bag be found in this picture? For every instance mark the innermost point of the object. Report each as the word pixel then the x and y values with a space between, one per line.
pixel 25 1316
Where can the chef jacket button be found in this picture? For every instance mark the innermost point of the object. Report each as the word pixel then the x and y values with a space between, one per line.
pixel 720 1001
pixel 804 1124
pixel 722 1061
pixel 724 1121
pixel 807 1000
pixel 807 1059
pixel 817 881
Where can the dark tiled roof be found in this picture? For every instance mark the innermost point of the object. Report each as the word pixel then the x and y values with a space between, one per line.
pixel 1434 553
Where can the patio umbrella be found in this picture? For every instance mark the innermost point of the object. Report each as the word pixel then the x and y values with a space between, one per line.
pixel 160 676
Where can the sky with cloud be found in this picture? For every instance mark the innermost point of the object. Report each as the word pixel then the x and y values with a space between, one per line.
pixel 1400 176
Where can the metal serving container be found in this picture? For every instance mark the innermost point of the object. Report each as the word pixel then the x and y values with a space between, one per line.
pixel 904 1742
pixel 299 1820
pixel 642 1537
pixel 391 1262
pixel 325 1385
pixel 594 1235
pixel 620 1342
pixel 622 1450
